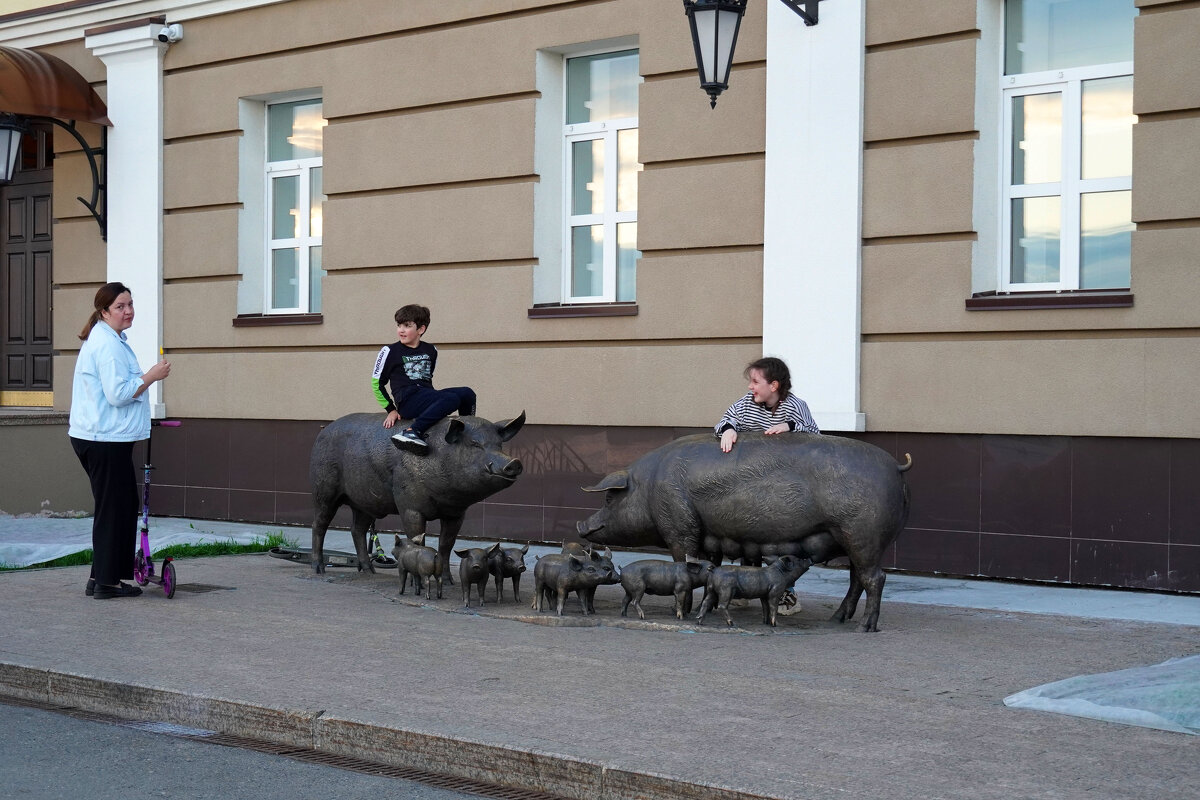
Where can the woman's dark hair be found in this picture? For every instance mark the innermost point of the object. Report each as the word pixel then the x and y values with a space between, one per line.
pixel 772 369
pixel 106 295
pixel 417 315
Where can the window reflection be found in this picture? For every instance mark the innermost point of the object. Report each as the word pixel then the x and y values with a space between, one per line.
pixel 627 169
pixel 285 280
pixel 285 200
pixel 1108 122
pixel 1059 34
pixel 602 87
pixel 627 259
pixel 1037 138
pixel 588 177
pixel 1036 234
pixel 587 261
pixel 1106 235
pixel 295 130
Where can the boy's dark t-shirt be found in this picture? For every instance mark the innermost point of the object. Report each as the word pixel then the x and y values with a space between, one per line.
pixel 402 369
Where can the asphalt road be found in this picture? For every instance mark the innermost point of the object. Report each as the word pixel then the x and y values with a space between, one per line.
pixel 46 755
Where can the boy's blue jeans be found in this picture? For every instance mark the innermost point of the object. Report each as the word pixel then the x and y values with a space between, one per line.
pixel 426 406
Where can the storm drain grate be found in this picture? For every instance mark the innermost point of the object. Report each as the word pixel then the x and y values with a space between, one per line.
pixel 305 755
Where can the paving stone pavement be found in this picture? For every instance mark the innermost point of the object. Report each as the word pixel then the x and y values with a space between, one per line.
pixel 600 706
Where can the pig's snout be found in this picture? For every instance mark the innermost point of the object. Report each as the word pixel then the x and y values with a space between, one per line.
pixel 510 471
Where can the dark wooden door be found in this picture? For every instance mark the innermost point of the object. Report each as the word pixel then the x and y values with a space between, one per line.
pixel 26 270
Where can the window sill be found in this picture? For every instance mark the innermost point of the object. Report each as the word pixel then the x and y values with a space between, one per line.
pixel 1024 301
pixel 559 310
pixel 271 320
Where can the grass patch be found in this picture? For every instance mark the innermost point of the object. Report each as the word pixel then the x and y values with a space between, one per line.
pixel 176 551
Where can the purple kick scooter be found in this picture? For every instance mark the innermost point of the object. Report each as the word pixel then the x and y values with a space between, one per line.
pixel 143 565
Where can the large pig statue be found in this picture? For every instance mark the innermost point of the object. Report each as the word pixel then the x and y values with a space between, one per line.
pixel 355 463
pixel 800 494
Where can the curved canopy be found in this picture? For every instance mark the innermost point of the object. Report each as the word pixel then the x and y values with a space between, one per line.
pixel 42 85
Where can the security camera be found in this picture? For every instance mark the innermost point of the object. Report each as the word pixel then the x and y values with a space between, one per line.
pixel 171 33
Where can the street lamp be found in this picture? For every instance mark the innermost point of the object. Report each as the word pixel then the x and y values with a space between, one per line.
pixel 12 128
pixel 714 25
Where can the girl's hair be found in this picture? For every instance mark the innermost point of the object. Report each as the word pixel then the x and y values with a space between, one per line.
pixel 772 369
pixel 417 315
pixel 106 295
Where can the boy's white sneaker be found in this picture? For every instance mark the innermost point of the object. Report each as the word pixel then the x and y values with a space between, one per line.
pixel 409 436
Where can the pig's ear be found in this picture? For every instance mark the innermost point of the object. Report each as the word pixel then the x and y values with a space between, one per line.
pixel 454 431
pixel 418 539
pixel 397 540
pixel 508 429
pixel 494 549
pixel 525 549
pixel 462 553
pixel 615 480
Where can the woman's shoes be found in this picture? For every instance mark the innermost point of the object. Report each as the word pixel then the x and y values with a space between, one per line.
pixel 101 592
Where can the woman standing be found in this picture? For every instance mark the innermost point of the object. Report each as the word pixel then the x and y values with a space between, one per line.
pixel 109 412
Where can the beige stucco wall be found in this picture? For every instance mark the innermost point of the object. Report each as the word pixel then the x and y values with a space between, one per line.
pixel 928 364
pixel 430 175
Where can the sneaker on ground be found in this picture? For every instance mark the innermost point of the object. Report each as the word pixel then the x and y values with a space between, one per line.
pixel 409 436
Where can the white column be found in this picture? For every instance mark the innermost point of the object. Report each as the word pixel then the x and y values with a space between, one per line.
pixel 812 209
pixel 133 58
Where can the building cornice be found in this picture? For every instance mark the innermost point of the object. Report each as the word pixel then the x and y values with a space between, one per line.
pixel 65 22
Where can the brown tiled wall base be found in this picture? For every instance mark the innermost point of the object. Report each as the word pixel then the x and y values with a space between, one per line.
pixel 1086 510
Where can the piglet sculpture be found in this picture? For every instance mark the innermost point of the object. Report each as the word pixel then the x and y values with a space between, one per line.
pixel 423 563
pixel 556 575
pixel 659 577
pixel 507 562
pixel 766 583
pixel 603 560
pixel 473 570
pixel 355 463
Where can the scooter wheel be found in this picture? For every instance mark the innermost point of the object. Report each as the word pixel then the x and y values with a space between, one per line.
pixel 141 571
pixel 168 579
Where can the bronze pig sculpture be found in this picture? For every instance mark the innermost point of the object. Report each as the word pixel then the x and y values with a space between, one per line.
pixel 603 560
pixel 658 577
pixel 766 583
pixel 507 562
pixel 557 575
pixel 473 570
pixel 423 563
pixel 355 463
pixel 807 495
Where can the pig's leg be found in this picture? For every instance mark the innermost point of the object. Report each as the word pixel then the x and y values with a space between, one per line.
pixel 683 602
pixel 517 587
pixel 850 602
pixel 446 539
pixel 499 588
pixel 321 520
pixel 769 604
pixel 359 526
pixel 723 602
pixel 872 578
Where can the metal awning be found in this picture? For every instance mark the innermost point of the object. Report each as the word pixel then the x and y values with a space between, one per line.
pixel 41 85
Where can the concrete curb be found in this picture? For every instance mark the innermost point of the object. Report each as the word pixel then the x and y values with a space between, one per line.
pixel 550 773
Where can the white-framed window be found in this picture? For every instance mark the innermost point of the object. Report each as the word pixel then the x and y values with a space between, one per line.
pixel 600 169
pixel 294 200
pixel 1067 133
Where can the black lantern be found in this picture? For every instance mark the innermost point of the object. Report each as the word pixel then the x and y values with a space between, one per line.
pixel 714 25
pixel 12 128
